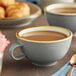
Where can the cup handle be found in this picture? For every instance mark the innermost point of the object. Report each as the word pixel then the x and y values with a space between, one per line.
pixel 11 52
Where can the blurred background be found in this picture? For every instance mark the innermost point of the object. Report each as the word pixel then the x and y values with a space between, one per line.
pixel 33 1
pixel 43 3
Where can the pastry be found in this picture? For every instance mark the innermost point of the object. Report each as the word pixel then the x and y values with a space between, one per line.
pixel 5 3
pixel 19 9
pixel 2 12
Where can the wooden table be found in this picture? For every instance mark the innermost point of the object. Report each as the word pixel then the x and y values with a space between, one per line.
pixel 24 67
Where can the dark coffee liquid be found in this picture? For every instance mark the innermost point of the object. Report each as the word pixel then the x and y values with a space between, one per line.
pixel 44 36
pixel 66 10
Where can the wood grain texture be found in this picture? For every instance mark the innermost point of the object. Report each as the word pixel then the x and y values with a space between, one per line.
pixel 24 67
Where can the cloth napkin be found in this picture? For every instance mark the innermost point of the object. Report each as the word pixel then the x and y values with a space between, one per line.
pixel 63 71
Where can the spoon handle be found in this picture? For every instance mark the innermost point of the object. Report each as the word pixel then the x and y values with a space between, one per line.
pixel 70 71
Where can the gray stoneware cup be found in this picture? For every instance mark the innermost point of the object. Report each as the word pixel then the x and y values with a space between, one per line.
pixel 59 19
pixel 42 53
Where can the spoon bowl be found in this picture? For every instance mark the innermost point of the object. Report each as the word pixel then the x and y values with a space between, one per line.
pixel 73 64
pixel 73 60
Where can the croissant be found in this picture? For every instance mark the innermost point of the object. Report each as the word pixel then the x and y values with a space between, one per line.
pixel 5 3
pixel 2 12
pixel 19 9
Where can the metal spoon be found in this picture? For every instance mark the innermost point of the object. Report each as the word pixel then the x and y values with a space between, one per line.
pixel 73 64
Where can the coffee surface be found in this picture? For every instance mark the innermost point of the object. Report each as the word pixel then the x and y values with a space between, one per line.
pixel 44 36
pixel 66 10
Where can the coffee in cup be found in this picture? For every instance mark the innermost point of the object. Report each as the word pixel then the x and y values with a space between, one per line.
pixel 64 10
pixel 42 45
pixel 43 35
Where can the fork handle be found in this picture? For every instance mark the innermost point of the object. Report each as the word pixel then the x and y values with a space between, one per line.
pixel 70 72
